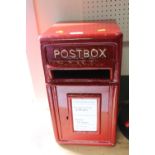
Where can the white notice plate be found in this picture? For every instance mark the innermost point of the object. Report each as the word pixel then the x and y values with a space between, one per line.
pixel 84 114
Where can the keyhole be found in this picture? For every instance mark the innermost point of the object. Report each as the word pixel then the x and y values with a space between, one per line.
pixel 67 117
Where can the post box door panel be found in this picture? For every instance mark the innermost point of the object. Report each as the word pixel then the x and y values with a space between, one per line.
pixel 83 112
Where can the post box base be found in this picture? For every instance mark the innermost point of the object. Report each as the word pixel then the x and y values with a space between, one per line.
pixel 88 143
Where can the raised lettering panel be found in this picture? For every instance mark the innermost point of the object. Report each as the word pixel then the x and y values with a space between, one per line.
pixel 79 52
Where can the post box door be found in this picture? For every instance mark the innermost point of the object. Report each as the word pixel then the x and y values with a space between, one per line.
pixel 84 112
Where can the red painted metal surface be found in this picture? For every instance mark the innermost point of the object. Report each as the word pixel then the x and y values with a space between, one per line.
pixel 83 60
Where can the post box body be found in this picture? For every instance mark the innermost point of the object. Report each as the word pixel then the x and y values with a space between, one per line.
pixel 82 64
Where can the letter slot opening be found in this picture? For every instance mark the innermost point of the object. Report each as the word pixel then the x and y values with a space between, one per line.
pixel 82 74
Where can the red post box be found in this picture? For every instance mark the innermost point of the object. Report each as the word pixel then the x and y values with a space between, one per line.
pixel 82 64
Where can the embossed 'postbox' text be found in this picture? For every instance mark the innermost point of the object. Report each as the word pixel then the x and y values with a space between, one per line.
pixel 80 53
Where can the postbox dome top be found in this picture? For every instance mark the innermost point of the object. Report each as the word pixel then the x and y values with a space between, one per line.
pixel 89 29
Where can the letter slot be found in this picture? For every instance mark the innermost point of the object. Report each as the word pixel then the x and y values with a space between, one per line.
pixel 81 74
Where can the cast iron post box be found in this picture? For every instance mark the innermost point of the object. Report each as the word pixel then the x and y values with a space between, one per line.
pixel 82 64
